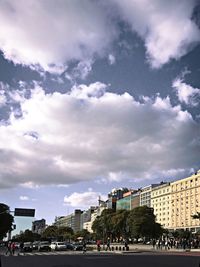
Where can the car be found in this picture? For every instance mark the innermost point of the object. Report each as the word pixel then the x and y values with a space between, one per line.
pixel 78 246
pixel 69 246
pixel 58 246
pixel 35 245
pixel 28 247
pixel 44 246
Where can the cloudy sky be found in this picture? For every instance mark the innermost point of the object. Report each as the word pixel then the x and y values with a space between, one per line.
pixel 96 95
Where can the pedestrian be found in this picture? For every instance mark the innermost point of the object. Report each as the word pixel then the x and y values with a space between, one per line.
pixel 98 245
pixel 21 248
pixel 108 244
pixel 84 246
pixel 13 248
pixel 8 248
pixel 154 243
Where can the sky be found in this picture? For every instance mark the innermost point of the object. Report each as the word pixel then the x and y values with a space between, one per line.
pixel 96 95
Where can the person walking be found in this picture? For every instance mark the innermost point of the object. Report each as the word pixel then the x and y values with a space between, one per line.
pixel 8 248
pixel 98 245
pixel 13 247
pixel 84 246
pixel 108 244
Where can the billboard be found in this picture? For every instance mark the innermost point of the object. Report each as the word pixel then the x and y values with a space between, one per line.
pixel 24 212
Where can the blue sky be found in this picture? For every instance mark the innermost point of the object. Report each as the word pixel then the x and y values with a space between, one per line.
pixel 96 95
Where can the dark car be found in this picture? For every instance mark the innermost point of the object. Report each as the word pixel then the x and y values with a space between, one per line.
pixel 69 246
pixel 44 246
pixel 78 246
pixel 27 247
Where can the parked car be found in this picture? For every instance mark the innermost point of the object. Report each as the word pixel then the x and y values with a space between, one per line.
pixel 28 247
pixel 44 246
pixel 69 246
pixel 78 246
pixel 35 245
pixel 58 246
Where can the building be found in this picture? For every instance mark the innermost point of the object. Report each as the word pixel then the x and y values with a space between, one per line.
pixel 72 220
pixel 129 201
pixel 161 203
pixel 115 195
pixel 86 216
pixel 97 212
pixel 39 226
pixel 145 195
pixel 185 202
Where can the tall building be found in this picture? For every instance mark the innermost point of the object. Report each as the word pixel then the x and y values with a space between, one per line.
pixel 161 203
pixel 185 202
pixel 97 212
pixel 86 216
pixel 38 226
pixel 145 195
pixel 72 220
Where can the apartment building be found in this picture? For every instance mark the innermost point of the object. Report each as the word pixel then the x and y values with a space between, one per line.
pixel 161 203
pixel 72 220
pixel 145 195
pixel 185 202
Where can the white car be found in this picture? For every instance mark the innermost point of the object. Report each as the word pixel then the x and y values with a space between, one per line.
pixel 58 246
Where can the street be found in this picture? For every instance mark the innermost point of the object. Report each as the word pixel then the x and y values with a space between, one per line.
pixel 101 259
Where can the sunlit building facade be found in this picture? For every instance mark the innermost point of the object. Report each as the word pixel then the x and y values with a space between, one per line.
pixel 185 202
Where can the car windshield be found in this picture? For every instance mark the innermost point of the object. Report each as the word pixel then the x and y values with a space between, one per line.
pixel 60 243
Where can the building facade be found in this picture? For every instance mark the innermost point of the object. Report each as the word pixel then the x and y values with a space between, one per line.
pixel 38 226
pixel 72 220
pixel 185 202
pixel 129 201
pixel 161 203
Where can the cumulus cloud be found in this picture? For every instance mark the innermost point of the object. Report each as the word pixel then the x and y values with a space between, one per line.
pixel 186 93
pixel 51 33
pixel 165 26
pixel 85 199
pixel 89 133
pixel 24 198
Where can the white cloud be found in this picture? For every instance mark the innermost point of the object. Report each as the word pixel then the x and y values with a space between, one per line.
pixel 24 198
pixel 165 26
pixel 111 59
pixel 89 134
pixel 186 93
pixel 82 200
pixel 51 33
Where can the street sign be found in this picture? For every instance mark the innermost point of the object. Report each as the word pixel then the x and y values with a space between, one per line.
pixel 24 212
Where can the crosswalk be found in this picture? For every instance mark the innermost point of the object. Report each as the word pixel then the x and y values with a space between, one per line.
pixel 46 253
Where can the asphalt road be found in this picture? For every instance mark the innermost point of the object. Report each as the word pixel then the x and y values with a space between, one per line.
pixel 101 260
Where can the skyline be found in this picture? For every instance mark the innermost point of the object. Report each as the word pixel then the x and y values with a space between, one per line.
pixel 96 95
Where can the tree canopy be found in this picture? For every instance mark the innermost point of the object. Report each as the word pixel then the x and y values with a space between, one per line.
pixel 6 220
pixel 139 222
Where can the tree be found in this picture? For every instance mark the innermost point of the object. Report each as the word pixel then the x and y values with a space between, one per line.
pixel 141 221
pixel 26 236
pixel 50 232
pixel 64 233
pixel 6 220
pixel 119 222
pixel 85 234
pixel 103 225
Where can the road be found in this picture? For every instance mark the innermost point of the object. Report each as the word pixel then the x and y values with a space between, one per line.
pixel 143 259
